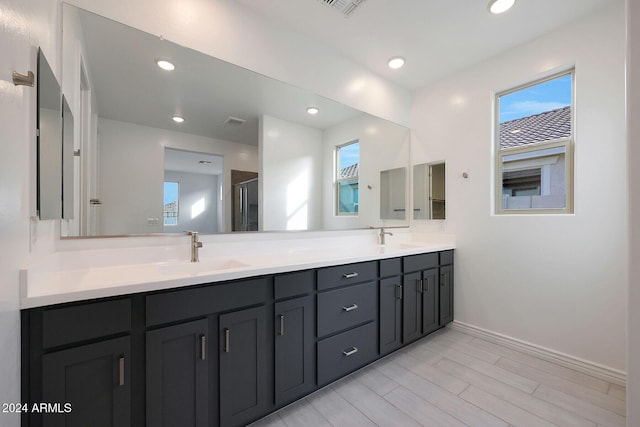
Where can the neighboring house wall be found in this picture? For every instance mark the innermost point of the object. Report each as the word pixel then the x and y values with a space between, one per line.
pixel 558 281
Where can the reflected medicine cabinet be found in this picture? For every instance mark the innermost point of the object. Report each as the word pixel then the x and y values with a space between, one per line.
pixel 429 194
pixel 49 142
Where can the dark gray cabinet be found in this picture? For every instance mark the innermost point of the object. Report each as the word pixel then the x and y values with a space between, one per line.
pixel 446 294
pixel 428 294
pixel 390 316
pixel 178 375
pixel 295 355
pixel 94 379
pixel 243 366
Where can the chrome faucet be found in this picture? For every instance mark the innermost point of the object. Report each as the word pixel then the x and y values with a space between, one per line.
pixel 383 234
pixel 195 245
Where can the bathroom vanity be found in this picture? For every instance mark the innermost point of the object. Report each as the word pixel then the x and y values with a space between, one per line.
pixel 228 352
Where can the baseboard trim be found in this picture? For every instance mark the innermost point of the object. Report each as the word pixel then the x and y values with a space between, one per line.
pixel 590 368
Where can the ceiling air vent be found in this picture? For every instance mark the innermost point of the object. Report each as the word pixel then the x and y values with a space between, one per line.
pixel 234 121
pixel 346 7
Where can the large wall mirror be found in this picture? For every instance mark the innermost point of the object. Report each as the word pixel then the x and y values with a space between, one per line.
pixel 243 153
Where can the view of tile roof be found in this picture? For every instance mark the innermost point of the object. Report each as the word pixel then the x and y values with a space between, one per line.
pixel 545 126
pixel 349 171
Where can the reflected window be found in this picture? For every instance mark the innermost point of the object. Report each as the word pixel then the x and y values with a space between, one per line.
pixel 347 171
pixel 534 147
pixel 171 195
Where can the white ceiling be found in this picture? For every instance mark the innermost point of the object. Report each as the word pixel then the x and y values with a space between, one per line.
pixel 437 37
pixel 189 161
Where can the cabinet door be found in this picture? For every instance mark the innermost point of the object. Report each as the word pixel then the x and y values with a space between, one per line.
pixel 94 379
pixel 429 300
pixel 390 314
pixel 294 349
pixel 412 307
pixel 177 375
pixel 446 294
pixel 243 366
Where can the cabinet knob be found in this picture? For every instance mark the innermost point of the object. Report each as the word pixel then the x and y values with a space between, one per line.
pixel 350 308
pixel 203 347
pixel 121 371
pixel 351 352
pixel 281 331
pixel 226 340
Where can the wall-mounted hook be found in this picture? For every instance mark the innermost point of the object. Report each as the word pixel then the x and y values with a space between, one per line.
pixel 23 80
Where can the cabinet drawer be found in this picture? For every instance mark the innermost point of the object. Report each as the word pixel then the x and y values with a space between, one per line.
pixel 390 267
pixel 82 322
pixel 188 303
pixel 332 277
pixel 294 284
pixel 346 352
pixel 446 257
pixel 420 262
pixel 346 307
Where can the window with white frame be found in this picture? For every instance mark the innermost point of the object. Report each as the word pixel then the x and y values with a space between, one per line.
pixel 347 172
pixel 534 147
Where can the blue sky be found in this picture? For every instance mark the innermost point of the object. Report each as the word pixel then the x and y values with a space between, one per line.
pixel 349 155
pixel 546 96
pixel 170 192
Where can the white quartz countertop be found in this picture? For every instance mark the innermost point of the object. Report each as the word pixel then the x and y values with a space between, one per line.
pixel 43 285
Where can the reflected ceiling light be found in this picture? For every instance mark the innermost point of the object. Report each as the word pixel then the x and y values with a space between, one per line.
pixel 178 119
pixel 313 110
pixel 500 6
pixel 396 62
pixel 165 64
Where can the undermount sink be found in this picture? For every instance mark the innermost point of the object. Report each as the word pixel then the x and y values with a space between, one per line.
pixel 204 266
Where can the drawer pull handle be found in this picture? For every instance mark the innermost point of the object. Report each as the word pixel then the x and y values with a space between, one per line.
pixel 350 275
pixel 399 291
pixel 203 347
pixel 427 281
pixel 281 331
pixel 419 285
pixel 350 308
pixel 351 352
pixel 121 371
pixel 226 340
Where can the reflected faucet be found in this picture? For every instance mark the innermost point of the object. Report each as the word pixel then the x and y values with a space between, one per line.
pixel 195 245
pixel 383 234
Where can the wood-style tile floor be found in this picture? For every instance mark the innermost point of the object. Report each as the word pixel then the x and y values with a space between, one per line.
pixel 454 379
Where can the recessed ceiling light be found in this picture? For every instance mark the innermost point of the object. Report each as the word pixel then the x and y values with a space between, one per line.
pixel 396 62
pixel 500 6
pixel 165 64
pixel 313 110
pixel 178 119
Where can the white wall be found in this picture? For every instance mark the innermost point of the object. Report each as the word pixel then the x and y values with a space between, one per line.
pixel 23 24
pixel 633 111
pixel 290 177
pixel 383 145
pixel 199 201
pixel 555 281
pixel 132 172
